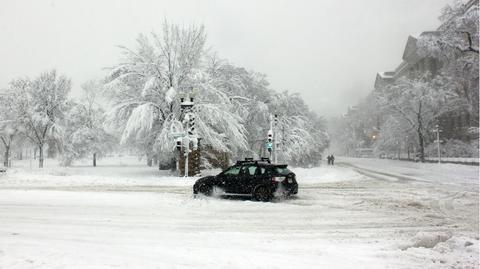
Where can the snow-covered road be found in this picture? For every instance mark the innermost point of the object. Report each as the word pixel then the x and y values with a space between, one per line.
pixel 353 215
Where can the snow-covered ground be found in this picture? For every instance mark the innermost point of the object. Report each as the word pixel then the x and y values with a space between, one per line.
pixel 361 213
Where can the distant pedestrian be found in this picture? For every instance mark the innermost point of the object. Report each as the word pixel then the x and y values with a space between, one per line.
pixel 329 159
pixel 332 159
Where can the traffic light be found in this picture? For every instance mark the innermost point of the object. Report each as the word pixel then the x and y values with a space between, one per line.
pixel 275 119
pixel 269 146
pixel 270 140
pixel 178 144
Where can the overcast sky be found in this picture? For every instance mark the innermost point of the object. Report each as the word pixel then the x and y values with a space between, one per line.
pixel 329 51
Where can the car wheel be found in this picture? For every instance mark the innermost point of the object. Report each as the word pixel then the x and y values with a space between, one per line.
pixel 262 193
pixel 205 189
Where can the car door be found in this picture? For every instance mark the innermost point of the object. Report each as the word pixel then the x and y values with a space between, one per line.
pixel 248 178
pixel 229 178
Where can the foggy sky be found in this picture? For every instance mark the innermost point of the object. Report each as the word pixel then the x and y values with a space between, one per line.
pixel 329 51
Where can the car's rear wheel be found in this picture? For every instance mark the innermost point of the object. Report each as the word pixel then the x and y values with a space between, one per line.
pixel 262 193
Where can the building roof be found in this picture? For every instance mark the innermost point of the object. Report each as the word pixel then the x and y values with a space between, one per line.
pixel 410 53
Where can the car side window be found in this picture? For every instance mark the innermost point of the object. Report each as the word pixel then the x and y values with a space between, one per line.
pixel 262 170
pixel 251 170
pixel 233 171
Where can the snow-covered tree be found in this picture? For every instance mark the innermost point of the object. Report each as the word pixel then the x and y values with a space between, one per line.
pixel 447 94
pixel 85 134
pixel 300 134
pixel 248 94
pixel 455 45
pixel 417 103
pixel 459 30
pixel 39 105
pixel 9 126
pixel 393 133
pixel 145 89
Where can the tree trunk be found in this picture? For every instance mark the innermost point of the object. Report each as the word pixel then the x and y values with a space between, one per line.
pixel 421 146
pixel 420 135
pixel 95 159
pixel 40 156
pixel 6 156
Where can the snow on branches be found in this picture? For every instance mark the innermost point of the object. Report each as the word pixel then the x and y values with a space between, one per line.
pixel 39 104
pixel 232 105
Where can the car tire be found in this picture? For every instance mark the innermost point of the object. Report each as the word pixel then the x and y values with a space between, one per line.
pixel 205 189
pixel 262 193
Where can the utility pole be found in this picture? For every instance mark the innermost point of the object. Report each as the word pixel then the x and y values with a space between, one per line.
pixel 438 141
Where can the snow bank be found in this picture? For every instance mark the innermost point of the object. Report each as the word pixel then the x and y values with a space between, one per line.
pixel 428 240
pixel 441 250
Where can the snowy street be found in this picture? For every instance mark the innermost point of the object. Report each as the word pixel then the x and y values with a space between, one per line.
pixel 352 215
pixel 248 134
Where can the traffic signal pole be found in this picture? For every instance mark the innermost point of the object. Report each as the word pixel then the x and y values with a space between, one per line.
pixel 271 138
pixel 186 105
pixel 186 160
pixel 272 153
pixel 275 120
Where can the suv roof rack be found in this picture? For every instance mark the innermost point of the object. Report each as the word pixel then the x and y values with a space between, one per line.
pixel 252 161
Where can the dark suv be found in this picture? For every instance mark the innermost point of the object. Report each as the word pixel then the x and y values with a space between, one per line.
pixel 259 179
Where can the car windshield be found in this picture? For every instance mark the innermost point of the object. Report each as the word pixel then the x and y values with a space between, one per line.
pixel 232 171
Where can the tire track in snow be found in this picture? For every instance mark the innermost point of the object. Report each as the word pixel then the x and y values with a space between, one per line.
pixel 377 174
pixel 443 207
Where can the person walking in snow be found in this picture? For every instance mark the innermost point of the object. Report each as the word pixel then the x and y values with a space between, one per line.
pixel 332 159
pixel 329 159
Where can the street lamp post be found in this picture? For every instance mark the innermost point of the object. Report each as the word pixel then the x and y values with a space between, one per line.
pixel 438 141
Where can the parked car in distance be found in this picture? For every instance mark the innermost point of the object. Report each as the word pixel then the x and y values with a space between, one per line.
pixel 259 179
